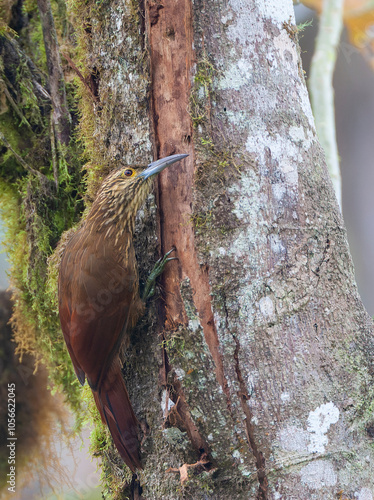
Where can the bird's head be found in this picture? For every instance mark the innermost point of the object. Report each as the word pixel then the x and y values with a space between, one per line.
pixel 124 190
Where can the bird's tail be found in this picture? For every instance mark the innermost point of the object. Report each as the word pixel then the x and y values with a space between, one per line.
pixel 113 403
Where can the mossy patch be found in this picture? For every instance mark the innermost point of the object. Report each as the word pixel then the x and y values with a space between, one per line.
pixel 37 204
pixel 216 161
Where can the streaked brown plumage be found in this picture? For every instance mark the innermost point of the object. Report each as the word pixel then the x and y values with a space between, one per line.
pixel 99 297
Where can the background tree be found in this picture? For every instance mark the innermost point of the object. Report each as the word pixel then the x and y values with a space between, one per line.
pixel 253 376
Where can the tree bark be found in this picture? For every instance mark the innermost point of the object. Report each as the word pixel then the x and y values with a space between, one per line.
pixel 268 347
pixel 264 362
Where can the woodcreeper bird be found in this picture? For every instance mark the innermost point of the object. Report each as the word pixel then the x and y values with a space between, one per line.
pixel 99 299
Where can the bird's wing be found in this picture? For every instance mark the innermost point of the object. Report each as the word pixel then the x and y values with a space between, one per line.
pixel 97 287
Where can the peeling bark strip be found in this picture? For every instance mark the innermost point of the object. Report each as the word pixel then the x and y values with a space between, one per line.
pixel 172 58
pixel 181 407
pixel 262 493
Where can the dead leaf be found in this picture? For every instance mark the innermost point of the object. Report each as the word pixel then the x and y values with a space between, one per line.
pixel 183 470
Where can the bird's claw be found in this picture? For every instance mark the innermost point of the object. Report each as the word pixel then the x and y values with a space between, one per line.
pixel 149 288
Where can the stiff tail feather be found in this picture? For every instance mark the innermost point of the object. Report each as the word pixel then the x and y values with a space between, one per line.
pixel 113 403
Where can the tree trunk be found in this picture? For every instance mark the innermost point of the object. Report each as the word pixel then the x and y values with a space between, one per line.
pixel 253 376
pixel 265 368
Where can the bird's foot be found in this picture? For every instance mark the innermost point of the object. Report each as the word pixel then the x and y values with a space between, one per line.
pixel 149 288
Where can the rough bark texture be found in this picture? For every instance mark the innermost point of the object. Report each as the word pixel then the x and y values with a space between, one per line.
pixel 278 380
pixel 264 369
pixel 295 340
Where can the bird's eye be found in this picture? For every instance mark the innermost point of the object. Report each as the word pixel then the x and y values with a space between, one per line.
pixel 129 172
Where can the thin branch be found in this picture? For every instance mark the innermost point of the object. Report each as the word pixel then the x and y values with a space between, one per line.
pixel 320 85
pixel 20 160
pixel 85 81
pixel 13 104
pixel 54 153
pixel 36 76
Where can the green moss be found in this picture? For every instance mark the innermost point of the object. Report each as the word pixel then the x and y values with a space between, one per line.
pixel 200 100
pixel 20 140
pixel 34 210
pixel 27 99
pixel 29 241
pixel 5 29
pixel 302 26
pixel 217 163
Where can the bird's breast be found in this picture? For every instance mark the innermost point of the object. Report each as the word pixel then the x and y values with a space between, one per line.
pixel 97 272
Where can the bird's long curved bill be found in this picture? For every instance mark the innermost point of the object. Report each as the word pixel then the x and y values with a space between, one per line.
pixel 157 166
